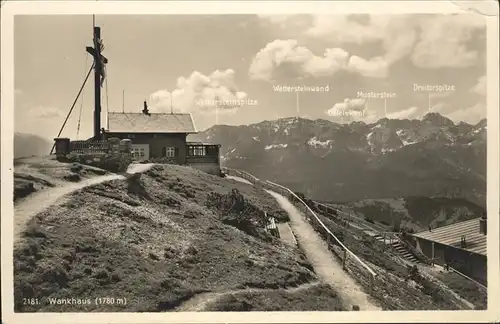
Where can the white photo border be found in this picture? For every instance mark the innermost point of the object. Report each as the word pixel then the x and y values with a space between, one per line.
pixel 11 8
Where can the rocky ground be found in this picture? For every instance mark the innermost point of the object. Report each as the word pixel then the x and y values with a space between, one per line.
pixel 175 238
pixel 157 241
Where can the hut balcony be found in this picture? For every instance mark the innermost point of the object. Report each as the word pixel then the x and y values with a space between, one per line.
pixel 204 157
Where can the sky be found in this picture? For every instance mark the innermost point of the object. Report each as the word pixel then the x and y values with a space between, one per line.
pixel 234 69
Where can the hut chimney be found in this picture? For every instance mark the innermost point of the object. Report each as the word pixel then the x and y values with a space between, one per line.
pixel 482 225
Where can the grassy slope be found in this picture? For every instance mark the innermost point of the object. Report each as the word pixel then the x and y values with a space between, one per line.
pixel 277 300
pixel 392 288
pixel 33 174
pixel 154 242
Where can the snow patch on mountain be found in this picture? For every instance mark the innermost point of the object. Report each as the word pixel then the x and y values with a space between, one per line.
pixel 406 138
pixel 268 147
pixel 256 138
pixel 387 150
pixel 479 130
pixel 317 143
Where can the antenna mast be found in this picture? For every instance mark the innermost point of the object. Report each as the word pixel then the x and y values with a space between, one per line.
pixel 171 106
pixel 123 101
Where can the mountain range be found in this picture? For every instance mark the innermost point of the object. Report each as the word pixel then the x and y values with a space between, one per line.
pixel 27 145
pixel 334 162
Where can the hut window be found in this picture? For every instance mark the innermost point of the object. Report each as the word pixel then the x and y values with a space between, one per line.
pixel 197 151
pixel 170 151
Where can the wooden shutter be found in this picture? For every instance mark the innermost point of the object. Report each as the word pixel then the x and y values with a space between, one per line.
pixel 176 158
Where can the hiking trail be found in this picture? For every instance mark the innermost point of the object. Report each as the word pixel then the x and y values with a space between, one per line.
pixel 323 262
pixel 36 203
pixel 199 302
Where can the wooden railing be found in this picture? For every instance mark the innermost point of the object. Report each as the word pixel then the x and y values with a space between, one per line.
pixel 346 254
pixel 89 146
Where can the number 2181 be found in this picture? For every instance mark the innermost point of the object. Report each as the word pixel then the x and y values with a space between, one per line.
pixel 30 301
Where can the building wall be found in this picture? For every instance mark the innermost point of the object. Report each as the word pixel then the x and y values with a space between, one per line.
pixel 209 163
pixel 207 167
pixel 157 143
pixel 471 264
pixel 202 159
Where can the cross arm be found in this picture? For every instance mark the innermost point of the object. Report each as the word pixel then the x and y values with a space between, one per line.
pixel 94 53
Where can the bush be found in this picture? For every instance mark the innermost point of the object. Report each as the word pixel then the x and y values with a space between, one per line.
pixel 72 177
pixel 236 211
pixel 340 235
pixel 76 167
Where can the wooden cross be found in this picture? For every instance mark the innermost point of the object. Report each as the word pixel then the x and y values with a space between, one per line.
pixel 99 74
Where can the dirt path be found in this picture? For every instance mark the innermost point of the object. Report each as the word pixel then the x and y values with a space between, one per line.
pixel 199 302
pixel 39 201
pixel 325 265
pixel 238 179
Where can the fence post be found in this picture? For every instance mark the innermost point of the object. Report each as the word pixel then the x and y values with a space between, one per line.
pixel 344 259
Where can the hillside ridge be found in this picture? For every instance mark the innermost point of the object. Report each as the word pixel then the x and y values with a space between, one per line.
pixel 345 162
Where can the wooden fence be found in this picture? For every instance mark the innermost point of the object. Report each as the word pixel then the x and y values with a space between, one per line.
pixel 348 258
pixel 89 146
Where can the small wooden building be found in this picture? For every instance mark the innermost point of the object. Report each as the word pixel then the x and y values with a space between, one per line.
pixel 461 245
pixel 162 137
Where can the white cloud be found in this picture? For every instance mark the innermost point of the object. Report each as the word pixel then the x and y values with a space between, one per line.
pixel 277 19
pixel 439 95
pixel 290 23
pixel 349 108
pixel 285 57
pixel 439 107
pixel 376 67
pixel 409 113
pixel 397 36
pixel 476 112
pixel 341 29
pixel 44 121
pixel 216 92
pixel 45 112
pixel 480 87
pixel 443 41
pixel 471 115
pixel 432 41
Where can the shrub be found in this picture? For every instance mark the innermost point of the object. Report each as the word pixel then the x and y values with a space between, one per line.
pixel 340 235
pixel 236 211
pixel 72 177
pixel 76 167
